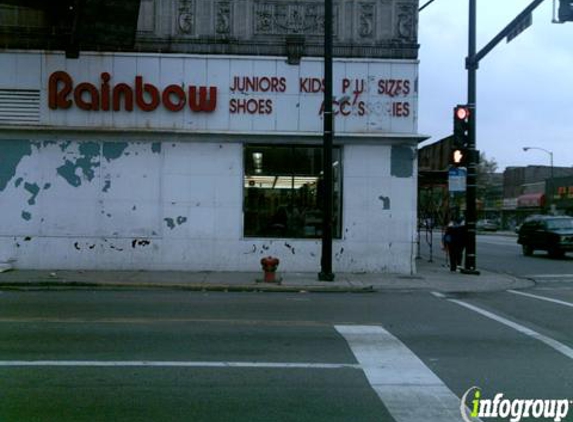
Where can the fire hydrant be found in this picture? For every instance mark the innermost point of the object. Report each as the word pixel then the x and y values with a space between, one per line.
pixel 270 265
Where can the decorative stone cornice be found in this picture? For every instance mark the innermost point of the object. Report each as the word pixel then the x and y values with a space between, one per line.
pixel 362 28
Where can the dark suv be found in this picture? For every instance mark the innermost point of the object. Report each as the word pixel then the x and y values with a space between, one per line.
pixel 551 234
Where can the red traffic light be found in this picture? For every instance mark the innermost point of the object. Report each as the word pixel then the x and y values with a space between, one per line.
pixel 462 112
pixel 461 126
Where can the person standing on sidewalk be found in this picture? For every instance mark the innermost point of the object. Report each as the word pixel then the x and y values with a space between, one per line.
pixel 454 243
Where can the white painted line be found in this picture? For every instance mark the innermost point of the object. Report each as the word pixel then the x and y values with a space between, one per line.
pixel 175 364
pixel 4 266
pixel 547 299
pixel 57 320
pixel 560 347
pixel 498 240
pixel 554 289
pixel 548 276
pixel 438 295
pixel 408 388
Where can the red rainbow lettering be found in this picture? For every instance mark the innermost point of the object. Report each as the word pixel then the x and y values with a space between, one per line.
pixel 63 94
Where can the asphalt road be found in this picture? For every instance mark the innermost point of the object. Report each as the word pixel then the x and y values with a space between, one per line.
pixel 502 254
pixel 185 356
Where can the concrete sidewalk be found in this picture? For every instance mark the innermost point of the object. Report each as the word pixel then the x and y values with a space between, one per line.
pixel 430 276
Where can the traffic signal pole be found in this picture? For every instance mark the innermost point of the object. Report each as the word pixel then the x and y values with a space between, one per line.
pixel 471 214
pixel 472 64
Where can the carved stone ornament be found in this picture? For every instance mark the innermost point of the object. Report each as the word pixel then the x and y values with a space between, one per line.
pixel 186 16
pixel 366 20
pixel 283 18
pixel 223 18
pixel 406 22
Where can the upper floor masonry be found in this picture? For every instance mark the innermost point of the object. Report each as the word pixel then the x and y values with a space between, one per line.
pixel 385 29
pixel 373 29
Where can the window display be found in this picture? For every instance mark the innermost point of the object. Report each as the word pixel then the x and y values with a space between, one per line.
pixel 283 191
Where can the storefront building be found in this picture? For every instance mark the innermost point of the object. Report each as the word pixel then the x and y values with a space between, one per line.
pixel 562 195
pixel 203 162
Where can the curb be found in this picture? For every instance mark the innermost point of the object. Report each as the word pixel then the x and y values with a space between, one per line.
pixel 78 285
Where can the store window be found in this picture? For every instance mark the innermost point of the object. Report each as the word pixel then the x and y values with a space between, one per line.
pixel 283 191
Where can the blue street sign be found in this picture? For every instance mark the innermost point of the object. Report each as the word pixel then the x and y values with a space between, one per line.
pixel 457 179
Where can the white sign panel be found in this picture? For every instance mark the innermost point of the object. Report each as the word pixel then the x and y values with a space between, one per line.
pixel 221 94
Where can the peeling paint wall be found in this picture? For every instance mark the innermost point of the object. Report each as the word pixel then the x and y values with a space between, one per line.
pixel 116 204
pixel 401 161
pixel 13 151
pixel 379 209
pixel 178 206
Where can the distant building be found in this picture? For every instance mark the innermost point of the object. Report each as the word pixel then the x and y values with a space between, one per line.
pixel 434 197
pixel 529 190
pixel 515 177
pixel 562 194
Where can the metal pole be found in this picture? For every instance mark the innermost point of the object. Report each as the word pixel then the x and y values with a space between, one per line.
pixel 326 273
pixel 471 65
pixel 551 194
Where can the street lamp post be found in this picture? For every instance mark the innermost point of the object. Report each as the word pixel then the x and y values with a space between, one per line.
pixel 326 273
pixel 550 190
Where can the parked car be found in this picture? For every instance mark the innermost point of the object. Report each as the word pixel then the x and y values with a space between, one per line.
pixel 547 233
pixel 487 225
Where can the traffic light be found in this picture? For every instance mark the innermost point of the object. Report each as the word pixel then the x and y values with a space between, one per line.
pixel 459 157
pixel 461 126
pixel 565 10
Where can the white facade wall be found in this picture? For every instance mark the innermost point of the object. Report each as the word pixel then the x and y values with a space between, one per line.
pixel 100 198
pixel 178 206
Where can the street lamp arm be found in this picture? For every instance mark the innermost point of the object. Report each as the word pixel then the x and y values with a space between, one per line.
pixel 539 148
pixel 549 188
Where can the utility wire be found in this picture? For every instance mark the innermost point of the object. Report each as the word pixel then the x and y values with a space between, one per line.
pixel 426 5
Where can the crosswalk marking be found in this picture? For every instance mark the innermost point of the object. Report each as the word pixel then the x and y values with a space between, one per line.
pixel 408 388
pixel 547 299
pixel 560 347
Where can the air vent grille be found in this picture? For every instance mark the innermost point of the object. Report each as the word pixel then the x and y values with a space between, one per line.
pixel 19 106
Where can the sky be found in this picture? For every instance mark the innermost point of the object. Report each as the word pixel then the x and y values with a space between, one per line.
pixel 524 88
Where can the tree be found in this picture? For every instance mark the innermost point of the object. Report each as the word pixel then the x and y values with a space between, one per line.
pixel 486 169
pixel 489 182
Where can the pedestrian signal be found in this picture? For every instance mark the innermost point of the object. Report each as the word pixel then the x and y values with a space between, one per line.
pixel 458 157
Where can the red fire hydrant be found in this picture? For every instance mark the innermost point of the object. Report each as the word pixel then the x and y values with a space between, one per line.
pixel 270 265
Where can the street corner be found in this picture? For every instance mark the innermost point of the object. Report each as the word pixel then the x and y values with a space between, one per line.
pixel 447 281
